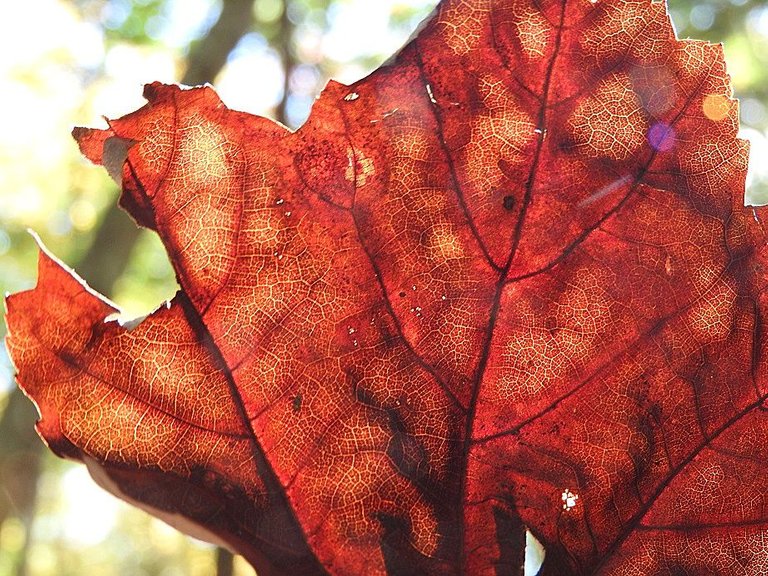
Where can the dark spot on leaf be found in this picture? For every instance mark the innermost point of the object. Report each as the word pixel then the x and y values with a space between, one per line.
pixel 365 396
pixel 405 451
pixel 509 203
pixel 510 534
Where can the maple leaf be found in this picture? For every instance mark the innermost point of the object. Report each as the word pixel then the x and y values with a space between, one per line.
pixel 505 283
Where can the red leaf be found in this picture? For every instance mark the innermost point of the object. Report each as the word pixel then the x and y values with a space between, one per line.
pixel 506 282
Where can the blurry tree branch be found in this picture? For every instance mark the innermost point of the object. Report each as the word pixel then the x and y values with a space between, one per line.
pixel 208 56
pixel 225 565
pixel 288 60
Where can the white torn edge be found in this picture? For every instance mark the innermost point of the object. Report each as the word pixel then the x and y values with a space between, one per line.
pixel 431 95
pixel 43 248
pixel 117 313
pixel 127 324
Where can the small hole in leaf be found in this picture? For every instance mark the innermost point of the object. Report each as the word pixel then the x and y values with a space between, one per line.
pixel 509 203
pixel 569 500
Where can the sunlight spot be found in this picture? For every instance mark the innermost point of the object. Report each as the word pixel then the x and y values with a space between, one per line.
pixel 569 499
pixel 716 107
pixel 84 499
pixel 252 80
pixel 661 137
pixel 82 214
pixel 351 96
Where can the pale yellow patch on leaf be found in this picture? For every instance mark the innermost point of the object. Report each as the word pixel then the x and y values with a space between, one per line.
pixel 359 169
pixel 201 149
pixel 610 123
pixel 501 132
pixel 445 244
pixel 625 27
pixel 710 317
pixel 541 350
pixel 533 31
pixel 462 26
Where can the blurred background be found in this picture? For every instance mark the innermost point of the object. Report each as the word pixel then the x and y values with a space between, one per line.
pixel 70 62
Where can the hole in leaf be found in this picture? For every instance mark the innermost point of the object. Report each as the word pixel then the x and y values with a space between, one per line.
pixel 147 283
pixel 534 555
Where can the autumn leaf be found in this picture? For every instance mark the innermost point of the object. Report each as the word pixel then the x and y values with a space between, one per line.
pixel 506 283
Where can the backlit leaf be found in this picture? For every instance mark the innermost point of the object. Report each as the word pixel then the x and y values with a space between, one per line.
pixel 505 283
